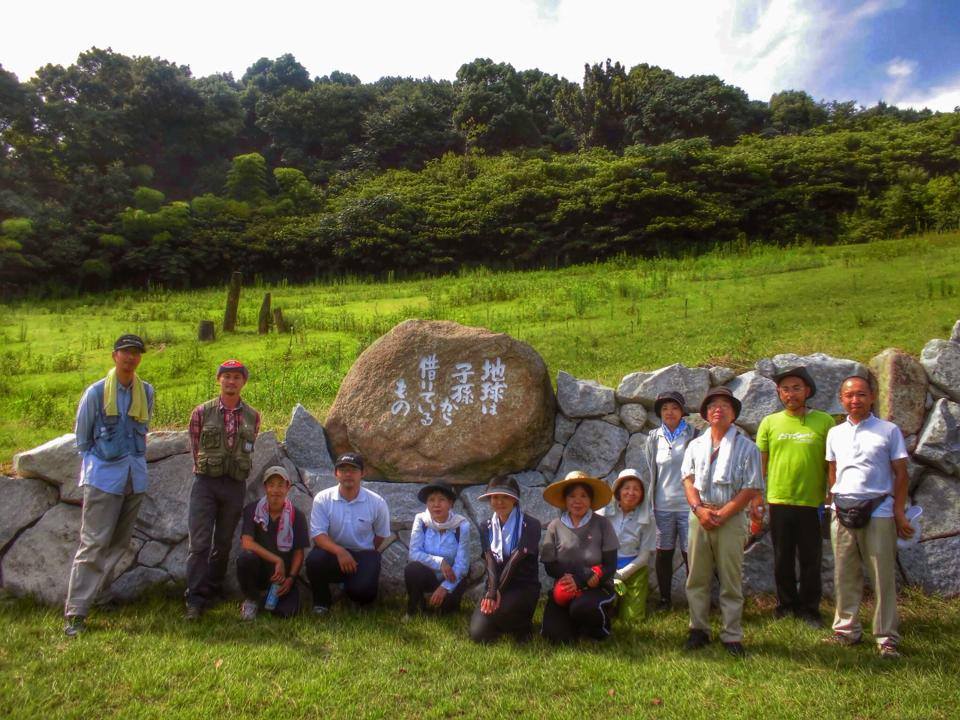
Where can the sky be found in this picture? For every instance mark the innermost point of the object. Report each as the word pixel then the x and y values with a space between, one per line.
pixel 904 52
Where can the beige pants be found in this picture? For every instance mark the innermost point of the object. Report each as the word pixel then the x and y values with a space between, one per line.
pixel 105 529
pixel 873 547
pixel 719 550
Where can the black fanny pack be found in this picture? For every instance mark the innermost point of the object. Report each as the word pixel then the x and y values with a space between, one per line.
pixel 855 514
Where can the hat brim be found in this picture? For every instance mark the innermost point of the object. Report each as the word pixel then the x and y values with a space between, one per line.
pixel 658 405
pixel 125 346
pixel 737 405
pixel 499 491
pixel 798 372
pixel 602 494
pixel 427 490
pixel 618 483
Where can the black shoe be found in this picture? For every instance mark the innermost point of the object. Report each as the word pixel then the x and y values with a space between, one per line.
pixel 780 612
pixel 664 605
pixel 735 648
pixel 696 640
pixel 193 612
pixel 76 624
pixel 812 619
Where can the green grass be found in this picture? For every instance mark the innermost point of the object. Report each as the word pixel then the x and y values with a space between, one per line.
pixel 143 661
pixel 601 321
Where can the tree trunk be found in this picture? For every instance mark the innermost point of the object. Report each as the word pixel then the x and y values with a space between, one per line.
pixel 206 330
pixel 263 324
pixel 233 302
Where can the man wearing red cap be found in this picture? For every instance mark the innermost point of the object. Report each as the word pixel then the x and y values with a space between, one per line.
pixel 222 434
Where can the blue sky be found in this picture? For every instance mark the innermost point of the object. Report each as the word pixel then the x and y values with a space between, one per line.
pixel 906 52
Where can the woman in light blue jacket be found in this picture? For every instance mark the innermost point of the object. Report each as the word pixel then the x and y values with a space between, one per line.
pixel 439 558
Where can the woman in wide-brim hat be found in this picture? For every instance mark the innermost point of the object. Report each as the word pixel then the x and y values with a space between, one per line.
pixel 632 519
pixel 437 532
pixel 509 541
pixel 665 448
pixel 579 551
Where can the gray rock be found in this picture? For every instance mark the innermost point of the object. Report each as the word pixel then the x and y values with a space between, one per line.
pixel 928 401
pixel 594 448
pixel 57 462
pixel 828 372
pixel 933 565
pixel 583 398
pixel 916 472
pixel 563 428
pixel 955 335
pixel 134 583
pixel 551 461
pixel 401 499
pixel 939 443
pixel 24 501
pixel 633 417
pixel 530 478
pixel 176 561
pixel 636 456
pixel 38 564
pixel 758 567
pixel 306 442
pixel 939 496
pixel 901 390
pixel 392 562
pixel 301 500
pixel 643 387
pixel 941 360
pixel 152 553
pixel 721 375
pixel 758 395
pixel 266 453
pixel 163 513
pixel 938 394
pixel 613 419
pixel 317 480
pixel 164 443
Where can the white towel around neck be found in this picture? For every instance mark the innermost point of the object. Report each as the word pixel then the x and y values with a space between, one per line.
pixel 721 468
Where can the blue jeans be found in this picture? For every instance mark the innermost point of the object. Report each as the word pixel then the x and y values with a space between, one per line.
pixel 671 529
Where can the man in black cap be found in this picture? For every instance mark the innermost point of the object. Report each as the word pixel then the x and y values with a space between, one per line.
pixel 111 434
pixel 222 434
pixel 347 525
pixel 792 447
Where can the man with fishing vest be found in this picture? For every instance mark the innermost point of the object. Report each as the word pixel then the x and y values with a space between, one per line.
pixel 222 435
pixel 111 432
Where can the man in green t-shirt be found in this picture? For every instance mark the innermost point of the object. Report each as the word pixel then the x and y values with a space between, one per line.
pixel 792 447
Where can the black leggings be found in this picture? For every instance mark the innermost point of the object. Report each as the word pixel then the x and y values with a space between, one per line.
pixel 513 617
pixel 360 586
pixel 253 574
pixel 420 580
pixel 587 614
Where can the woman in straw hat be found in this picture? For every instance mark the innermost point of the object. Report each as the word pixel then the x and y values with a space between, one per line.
pixel 509 542
pixel 632 520
pixel 579 550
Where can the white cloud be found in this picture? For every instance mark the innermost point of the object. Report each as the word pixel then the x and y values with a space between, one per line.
pixel 760 45
pixel 944 97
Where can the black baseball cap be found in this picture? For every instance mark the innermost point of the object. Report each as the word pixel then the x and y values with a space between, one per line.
pixel 129 341
pixel 354 459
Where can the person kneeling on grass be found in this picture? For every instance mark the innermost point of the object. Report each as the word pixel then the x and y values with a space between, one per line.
pixel 630 515
pixel 439 559
pixel 579 550
pixel 273 535
pixel 510 541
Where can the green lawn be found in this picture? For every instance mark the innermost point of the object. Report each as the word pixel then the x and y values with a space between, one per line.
pixel 143 661
pixel 596 321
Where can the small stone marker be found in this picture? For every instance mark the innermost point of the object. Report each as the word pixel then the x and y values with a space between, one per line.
pixel 233 302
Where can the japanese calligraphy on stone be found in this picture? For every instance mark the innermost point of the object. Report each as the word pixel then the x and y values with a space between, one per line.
pixel 442 393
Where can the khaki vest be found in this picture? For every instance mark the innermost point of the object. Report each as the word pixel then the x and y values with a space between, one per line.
pixel 214 458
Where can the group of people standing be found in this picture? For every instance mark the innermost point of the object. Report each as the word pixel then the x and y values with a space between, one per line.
pixel 696 493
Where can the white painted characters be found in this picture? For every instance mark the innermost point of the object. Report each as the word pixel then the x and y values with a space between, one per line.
pixel 462 390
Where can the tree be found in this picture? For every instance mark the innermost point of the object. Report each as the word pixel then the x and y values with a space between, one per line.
pixel 794 111
pixel 491 111
pixel 247 179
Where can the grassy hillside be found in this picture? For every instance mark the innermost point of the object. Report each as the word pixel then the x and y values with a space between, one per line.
pixel 601 321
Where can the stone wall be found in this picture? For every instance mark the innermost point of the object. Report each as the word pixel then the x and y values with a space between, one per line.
pixel 597 429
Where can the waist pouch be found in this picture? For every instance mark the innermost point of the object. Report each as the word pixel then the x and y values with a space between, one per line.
pixel 855 514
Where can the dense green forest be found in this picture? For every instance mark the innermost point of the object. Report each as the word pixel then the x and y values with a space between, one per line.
pixel 128 171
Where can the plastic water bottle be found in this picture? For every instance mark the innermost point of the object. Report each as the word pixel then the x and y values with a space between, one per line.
pixel 272 597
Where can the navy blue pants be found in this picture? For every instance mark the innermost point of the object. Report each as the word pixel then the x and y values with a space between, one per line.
pixel 360 586
pixel 253 574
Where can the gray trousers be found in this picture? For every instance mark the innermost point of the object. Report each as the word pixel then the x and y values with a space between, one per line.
pixel 719 550
pixel 106 525
pixel 212 517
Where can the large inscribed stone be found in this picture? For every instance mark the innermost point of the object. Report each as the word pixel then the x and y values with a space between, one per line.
pixel 436 399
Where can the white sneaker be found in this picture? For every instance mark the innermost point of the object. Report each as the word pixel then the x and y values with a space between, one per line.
pixel 248 611
pixel 320 609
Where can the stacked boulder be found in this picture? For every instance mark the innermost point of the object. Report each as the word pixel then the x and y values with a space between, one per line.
pixel 598 429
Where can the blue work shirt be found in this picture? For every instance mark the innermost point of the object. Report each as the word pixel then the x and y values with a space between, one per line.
pixel 111 476
pixel 430 547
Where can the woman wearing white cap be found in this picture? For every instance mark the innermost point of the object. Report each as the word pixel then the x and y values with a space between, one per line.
pixel 509 540
pixel 630 515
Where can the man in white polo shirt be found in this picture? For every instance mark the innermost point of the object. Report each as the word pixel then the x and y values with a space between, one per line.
pixel 866 474
pixel 347 524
